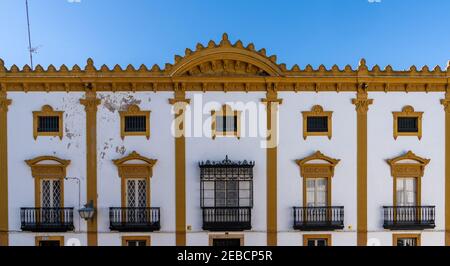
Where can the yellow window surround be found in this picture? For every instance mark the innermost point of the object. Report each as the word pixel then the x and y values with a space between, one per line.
pixel 225 111
pixel 408 165
pixel 134 166
pixel 317 111
pixel 317 165
pixel 47 111
pixel 408 112
pixel 134 110
pixel 47 167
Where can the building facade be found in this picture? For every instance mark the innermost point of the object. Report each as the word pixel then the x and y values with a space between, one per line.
pixel 224 147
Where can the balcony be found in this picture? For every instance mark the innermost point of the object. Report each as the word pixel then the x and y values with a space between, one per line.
pixel 318 218
pixel 46 219
pixel 227 218
pixel 409 217
pixel 134 219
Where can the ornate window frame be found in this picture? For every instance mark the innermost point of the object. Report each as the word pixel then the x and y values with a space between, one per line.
pixel 225 110
pixel 134 110
pixel 408 111
pixel 307 237
pixel 147 239
pixel 395 238
pixel 225 236
pixel 408 165
pixel 47 167
pixel 317 111
pixel 47 110
pixel 134 166
pixel 317 165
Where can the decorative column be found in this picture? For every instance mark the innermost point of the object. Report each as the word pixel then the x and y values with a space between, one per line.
pixel 272 102
pixel 362 107
pixel 90 103
pixel 4 102
pixel 180 103
pixel 446 103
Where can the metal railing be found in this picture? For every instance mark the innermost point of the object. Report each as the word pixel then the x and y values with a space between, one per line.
pixel 408 217
pixel 319 218
pixel 227 218
pixel 46 219
pixel 134 219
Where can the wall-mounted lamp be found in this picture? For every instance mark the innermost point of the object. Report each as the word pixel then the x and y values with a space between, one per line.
pixel 87 212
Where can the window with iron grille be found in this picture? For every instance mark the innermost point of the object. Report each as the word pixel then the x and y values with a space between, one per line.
pixel 408 124
pixel 135 123
pixel 317 124
pixel 48 124
pixel 226 242
pixel 226 123
pixel 226 184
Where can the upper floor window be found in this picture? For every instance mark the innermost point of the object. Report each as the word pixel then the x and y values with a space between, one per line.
pixel 225 122
pixel 317 122
pixel 226 184
pixel 317 171
pixel 134 122
pixel 407 122
pixel 47 122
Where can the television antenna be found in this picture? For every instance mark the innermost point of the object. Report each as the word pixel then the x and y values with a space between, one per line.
pixel 31 50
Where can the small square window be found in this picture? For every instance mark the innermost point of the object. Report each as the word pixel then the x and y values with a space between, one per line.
pixel 407 122
pixel 406 240
pixel 317 122
pixel 134 122
pixel 225 122
pixel 317 240
pixel 47 122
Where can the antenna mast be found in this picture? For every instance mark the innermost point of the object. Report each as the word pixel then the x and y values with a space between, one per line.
pixel 30 49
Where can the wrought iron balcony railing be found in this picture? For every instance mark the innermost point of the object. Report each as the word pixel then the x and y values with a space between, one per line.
pixel 318 218
pixel 408 217
pixel 134 219
pixel 227 218
pixel 46 219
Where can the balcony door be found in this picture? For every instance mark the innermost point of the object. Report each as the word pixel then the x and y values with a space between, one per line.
pixel 406 194
pixel 50 200
pixel 316 192
pixel 136 200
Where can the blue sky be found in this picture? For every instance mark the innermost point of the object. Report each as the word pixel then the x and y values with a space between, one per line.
pixel 396 32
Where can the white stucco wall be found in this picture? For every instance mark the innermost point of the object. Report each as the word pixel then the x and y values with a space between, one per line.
pixel 292 146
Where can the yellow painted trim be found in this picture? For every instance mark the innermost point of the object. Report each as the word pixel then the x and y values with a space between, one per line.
pixel 147 240
pixel 317 111
pixel 226 110
pixel 41 171
pixel 133 110
pixel 408 111
pixel 225 236
pixel 361 103
pixel 395 237
pixel 142 170
pixel 47 110
pixel 272 103
pixel 90 103
pixel 180 103
pixel 307 237
pixel 50 238
pixel 446 103
pixel 4 224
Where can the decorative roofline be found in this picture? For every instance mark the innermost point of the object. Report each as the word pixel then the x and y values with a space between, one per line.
pixel 171 76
